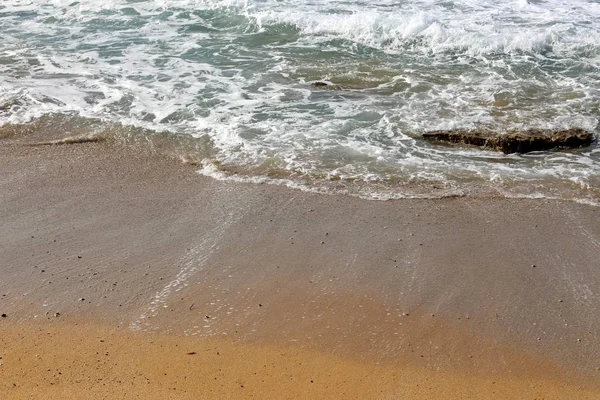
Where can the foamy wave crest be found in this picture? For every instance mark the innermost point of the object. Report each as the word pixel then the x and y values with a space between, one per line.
pixel 459 27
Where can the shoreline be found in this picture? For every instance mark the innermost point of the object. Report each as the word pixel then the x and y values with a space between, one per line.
pixel 199 152
pixel 439 289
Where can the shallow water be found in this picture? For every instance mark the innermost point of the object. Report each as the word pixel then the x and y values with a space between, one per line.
pixel 233 78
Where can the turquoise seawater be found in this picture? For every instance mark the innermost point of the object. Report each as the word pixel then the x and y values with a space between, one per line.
pixel 232 81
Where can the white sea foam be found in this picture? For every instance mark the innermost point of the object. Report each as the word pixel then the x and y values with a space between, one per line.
pixel 239 73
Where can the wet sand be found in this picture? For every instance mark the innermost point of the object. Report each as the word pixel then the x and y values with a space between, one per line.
pixel 476 298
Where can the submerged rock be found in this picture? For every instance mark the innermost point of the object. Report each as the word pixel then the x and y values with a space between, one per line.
pixel 515 142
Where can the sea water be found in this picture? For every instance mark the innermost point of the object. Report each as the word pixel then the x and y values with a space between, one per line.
pixel 235 79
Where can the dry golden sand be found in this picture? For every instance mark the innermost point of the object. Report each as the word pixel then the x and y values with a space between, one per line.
pixel 84 361
pixel 116 263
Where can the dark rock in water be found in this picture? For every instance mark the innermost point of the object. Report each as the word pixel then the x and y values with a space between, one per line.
pixel 326 85
pixel 516 142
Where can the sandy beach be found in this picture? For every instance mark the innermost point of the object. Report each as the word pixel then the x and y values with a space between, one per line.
pixel 125 274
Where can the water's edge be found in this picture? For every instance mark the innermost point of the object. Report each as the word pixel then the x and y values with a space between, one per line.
pixel 200 152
